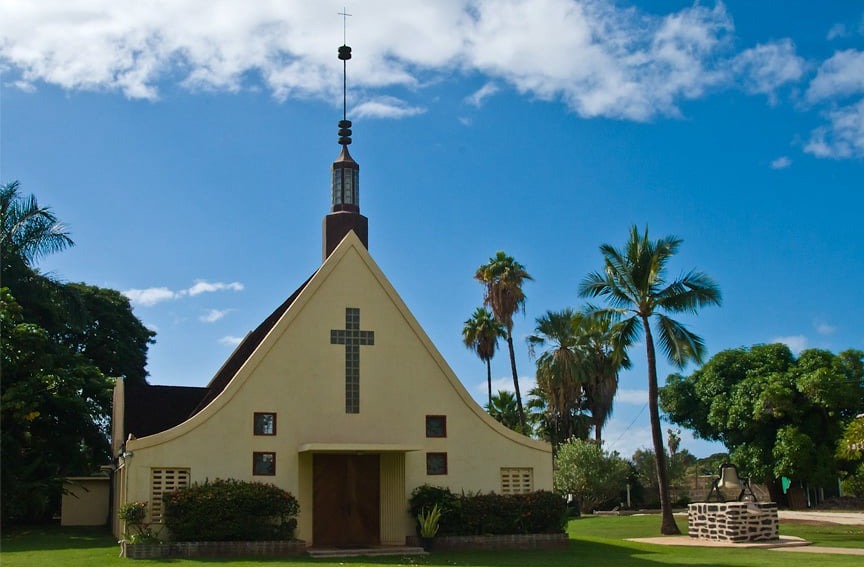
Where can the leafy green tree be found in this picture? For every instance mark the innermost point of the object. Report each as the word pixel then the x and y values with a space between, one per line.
pixel 778 415
pixel 53 415
pixel 481 333
pixel 502 278
pixel 560 369
pixel 592 475
pixel 503 408
pixel 633 281
pixel 102 327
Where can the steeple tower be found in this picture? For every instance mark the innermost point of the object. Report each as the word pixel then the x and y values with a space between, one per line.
pixel 344 213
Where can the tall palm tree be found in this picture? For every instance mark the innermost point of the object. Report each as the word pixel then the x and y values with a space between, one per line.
pixel 604 358
pixel 481 333
pixel 633 282
pixel 560 368
pixel 502 278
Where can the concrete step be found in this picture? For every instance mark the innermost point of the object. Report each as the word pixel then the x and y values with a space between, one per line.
pixel 365 551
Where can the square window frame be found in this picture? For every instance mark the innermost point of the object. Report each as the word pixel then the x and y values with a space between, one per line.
pixel 430 471
pixel 255 423
pixel 443 419
pixel 259 454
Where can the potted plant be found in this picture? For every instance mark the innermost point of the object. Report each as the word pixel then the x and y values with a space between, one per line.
pixel 429 521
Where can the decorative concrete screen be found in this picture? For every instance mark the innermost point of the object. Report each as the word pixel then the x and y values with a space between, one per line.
pixel 733 521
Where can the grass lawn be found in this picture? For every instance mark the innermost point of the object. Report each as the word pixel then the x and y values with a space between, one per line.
pixel 594 541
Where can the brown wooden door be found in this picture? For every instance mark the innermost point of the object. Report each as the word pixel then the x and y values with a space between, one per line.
pixel 345 500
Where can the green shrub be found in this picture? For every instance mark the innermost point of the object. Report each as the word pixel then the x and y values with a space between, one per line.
pixel 588 472
pixel 425 497
pixel 854 484
pixel 479 514
pixel 231 510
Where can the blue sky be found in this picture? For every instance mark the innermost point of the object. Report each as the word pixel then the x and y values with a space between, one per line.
pixel 187 146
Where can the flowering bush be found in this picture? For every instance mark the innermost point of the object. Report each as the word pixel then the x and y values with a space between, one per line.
pixel 231 510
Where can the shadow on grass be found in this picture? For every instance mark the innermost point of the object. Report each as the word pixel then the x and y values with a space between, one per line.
pixel 53 537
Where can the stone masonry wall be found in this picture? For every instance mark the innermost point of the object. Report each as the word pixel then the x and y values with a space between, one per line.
pixel 733 521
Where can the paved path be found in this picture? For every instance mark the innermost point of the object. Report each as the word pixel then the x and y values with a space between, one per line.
pixel 847 518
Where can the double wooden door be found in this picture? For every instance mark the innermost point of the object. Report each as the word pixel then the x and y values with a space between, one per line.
pixel 346 500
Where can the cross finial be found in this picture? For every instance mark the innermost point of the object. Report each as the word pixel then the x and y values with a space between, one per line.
pixel 344 13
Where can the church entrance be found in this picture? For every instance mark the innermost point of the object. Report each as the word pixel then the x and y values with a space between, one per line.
pixel 346 500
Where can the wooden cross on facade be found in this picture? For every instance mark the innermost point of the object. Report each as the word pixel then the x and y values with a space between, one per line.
pixel 353 338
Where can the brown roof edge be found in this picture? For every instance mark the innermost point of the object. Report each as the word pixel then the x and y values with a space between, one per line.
pixel 244 350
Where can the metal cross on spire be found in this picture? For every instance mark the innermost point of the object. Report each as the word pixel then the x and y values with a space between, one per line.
pixel 344 13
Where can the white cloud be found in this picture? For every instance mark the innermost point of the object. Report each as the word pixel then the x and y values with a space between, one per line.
pixel 214 315
pixel 526 384
pixel 824 328
pixel 386 107
pixel 151 296
pixel 796 343
pixel 837 31
pixel 635 397
pixel 841 75
pixel 230 341
pixel 202 286
pixel 595 56
pixel 766 67
pixel 843 137
pixel 478 97
pixel 781 162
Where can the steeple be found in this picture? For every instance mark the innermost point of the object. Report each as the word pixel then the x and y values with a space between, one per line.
pixel 344 181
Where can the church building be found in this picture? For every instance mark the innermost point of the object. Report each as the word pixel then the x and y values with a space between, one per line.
pixel 338 396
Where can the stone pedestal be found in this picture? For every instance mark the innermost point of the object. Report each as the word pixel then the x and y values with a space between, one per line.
pixel 733 521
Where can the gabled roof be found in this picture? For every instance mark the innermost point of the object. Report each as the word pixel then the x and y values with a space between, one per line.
pixel 151 409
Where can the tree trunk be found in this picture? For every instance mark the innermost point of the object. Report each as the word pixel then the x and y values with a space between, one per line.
pixel 516 383
pixel 668 525
pixel 489 379
pixel 775 491
pixel 598 426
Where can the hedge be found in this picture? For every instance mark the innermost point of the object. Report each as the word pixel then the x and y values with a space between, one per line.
pixel 230 510
pixel 540 512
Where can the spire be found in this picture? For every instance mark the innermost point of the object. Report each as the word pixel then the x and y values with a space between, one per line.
pixel 344 179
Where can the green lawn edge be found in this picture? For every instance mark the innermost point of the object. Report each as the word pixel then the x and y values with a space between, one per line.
pixel 593 541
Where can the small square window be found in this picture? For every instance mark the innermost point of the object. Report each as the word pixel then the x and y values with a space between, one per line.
pixel 264 464
pixel 265 423
pixel 436 426
pixel 436 463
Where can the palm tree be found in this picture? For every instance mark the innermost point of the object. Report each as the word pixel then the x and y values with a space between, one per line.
pixel 481 333
pixel 502 407
pixel 502 278
pixel 28 230
pixel 633 281
pixel 560 368
pixel 604 358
